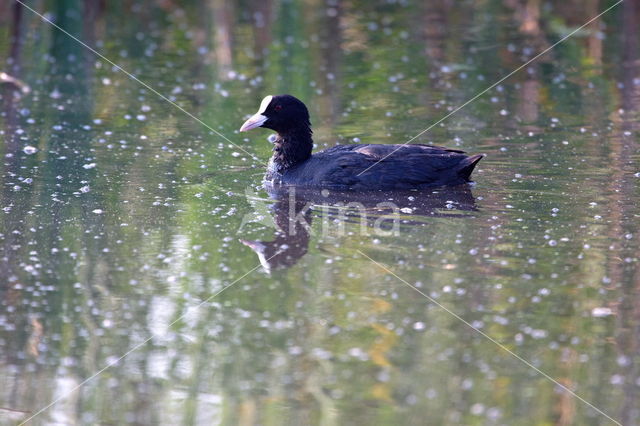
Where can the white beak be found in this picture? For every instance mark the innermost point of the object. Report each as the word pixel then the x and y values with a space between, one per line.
pixel 254 121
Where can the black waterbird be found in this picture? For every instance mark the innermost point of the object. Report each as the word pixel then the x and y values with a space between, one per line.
pixel 351 167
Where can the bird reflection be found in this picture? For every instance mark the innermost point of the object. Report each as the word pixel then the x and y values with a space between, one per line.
pixel 377 212
pixel 292 219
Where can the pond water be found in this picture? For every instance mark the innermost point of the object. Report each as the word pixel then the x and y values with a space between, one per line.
pixel 148 277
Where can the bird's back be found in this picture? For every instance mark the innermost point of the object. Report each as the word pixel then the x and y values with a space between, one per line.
pixel 369 166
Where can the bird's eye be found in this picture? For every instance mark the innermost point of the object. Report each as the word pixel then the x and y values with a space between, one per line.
pixel 277 107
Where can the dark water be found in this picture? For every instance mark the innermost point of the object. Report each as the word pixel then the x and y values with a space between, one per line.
pixel 124 219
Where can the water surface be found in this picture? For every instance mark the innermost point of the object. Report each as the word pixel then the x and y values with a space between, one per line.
pixel 124 219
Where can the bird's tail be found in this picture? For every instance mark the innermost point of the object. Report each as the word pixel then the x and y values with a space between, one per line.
pixel 468 164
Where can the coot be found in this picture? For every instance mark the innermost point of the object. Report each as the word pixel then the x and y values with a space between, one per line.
pixel 351 167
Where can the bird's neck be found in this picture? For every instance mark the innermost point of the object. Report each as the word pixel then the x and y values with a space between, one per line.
pixel 290 149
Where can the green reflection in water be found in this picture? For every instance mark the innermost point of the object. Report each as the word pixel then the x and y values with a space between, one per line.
pixel 127 216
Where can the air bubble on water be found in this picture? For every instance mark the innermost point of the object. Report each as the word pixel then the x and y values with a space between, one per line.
pixel 29 150
pixel 477 409
pixel 358 353
pixel 89 166
pixel 601 311
pixel 477 324
pixel 98 211
pixel 623 360
pixel 55 94
pixel 617 379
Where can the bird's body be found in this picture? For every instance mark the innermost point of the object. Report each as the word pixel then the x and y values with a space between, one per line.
pixel 351 167
pixel 384 167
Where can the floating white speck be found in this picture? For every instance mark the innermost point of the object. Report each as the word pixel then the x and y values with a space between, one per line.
pixel 29 150
pixel 55 94
pixel 477 409
pixel 617 379
pixel 89 166
pixel 98 211
pixel 85 189
pixel 600 312
pixel 295 350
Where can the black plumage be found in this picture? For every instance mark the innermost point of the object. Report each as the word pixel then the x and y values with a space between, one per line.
pixel 351 167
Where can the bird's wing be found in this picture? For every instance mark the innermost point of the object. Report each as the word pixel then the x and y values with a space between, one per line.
pixel 380 166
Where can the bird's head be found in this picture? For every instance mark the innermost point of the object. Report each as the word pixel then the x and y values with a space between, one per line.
pixel 282 113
